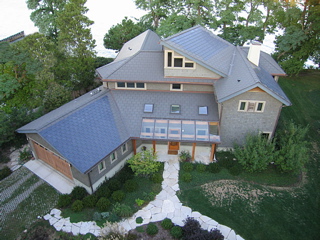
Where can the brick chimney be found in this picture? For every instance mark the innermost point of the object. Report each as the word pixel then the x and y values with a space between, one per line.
pixel 254 52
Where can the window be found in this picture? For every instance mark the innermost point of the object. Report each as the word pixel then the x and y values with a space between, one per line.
pixel 101 166
pixel 172 61
pixel 176 87
pixel 148 108
pixel 188 65
pixel 175 108
pixel 113 157
pixel 178 62
pixel 169 59
pixel 203 110
pixel 131 85
pixel 124 148
pixel 266 135
pixel 251 106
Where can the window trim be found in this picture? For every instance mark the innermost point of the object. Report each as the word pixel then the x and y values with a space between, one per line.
pixel 173 56
pixel 256 104
pixel 174 89
pixel 115 157
pixel 175 112
pixel 131 88
pixel 266 132
pixel 144 109
pixel 126 148
pixel 103 165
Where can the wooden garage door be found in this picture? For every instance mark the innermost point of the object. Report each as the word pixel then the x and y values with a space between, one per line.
pixel 53 160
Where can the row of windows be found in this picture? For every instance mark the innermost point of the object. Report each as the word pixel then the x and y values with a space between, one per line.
pixel 177 61
pixel 142 86
pixel 251 106
pixel 175 108
pixel 113 158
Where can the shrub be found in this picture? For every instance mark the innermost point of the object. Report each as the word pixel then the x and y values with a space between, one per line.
pixel 103 191
pixel 185 156
pixel 214 168
pixel 147 159
pixel 103 204
pixel 122 210
pixel 176 232
pixel 148 196
pixel 4 158
pixel 105 214
pixel 140 229
pixel 187 167
pixel 191 227
pixel 156 178
pixel 131 185
pixel 186 177
pixel 257 153
pixel 78 193
pixel 77 206
pixel 131 236
pixel 152 229
pixel 201 168
pixel 5 172
pixel 166 223
pixel 236 169
pixel 114 185
pixel 90 201
pixel 97 216
pixel 139 220
pixel 226 163
pixel 64 201
pixel 139 202
pixel 118 196
pixel 125 174
pixel 25 154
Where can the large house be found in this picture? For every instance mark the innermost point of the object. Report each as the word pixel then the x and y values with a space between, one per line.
pixel 192 91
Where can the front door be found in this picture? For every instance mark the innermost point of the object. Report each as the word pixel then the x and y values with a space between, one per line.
pixel 173 148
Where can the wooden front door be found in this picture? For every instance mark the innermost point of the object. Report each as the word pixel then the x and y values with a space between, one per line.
pixel 53 160
pixel 173 148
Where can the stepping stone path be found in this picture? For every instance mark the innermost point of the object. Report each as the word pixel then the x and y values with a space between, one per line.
pixel 165 205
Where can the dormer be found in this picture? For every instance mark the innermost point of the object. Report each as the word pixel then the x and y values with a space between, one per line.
pixel 177 65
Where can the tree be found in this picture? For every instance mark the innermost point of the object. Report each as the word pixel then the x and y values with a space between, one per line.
pixel 45 15
pixel 293 150
pixel 144 163
pixel 123 32
pixel 76 46
pixel 257 153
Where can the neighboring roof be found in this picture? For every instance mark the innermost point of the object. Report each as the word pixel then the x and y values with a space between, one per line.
pixel 13 38
pixel 146 66
pixel 131 105
pixel 146 41
pixel 202 46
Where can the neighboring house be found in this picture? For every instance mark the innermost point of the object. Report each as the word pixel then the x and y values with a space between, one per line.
pixel 14 38
pixel 192 91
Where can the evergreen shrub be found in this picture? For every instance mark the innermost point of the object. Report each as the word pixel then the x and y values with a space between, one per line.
pixel 176 232
pixel 77 206
pixel 201 168
pixel 118 195
pixel 186 177
pixel 152 229
pixel 103 204
pixel 156 178
pixel 5 172
pixel 187 166
pixel 166 223
pixel 64 201
pixel 214 167
pixel 114 185
pixel 78 193
pixel 122 210
pixel 131 185
pixel 90 201
pixel 103 191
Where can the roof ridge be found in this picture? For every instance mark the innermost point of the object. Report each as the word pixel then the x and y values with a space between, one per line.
pixel 246 62
pixel 182 32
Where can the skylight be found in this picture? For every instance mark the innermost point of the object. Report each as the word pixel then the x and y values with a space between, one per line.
pixel 203 110
pixel 148 108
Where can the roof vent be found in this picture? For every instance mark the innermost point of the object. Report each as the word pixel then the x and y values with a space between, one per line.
pixel 95 91
pixel 254 52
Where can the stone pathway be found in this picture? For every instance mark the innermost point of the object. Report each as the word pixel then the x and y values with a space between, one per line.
pixel 165 205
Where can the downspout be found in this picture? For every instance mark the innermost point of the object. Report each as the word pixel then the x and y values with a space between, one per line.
pixel 90 183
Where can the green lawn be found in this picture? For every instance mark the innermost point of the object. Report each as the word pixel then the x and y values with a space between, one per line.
pixel 257 211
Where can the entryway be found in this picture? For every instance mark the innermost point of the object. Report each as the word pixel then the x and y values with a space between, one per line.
pixel 173 148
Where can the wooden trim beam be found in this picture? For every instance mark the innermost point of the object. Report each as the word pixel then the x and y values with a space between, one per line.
pixel 193 150
pixel 154 146
pixel 213 149
pixel 134 145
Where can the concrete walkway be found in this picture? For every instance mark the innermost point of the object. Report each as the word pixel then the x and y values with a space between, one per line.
pixel 165 205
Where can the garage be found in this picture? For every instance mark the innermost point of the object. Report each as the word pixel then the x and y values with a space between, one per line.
pixel 52 159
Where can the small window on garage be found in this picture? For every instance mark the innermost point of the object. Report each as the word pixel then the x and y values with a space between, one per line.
pixel 148 108
pixel 124 148
pixel 101 166
pixel 203 110
pixel 113 157
pixel 175 108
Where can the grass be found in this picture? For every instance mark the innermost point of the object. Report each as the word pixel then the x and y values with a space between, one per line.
pixel 256 211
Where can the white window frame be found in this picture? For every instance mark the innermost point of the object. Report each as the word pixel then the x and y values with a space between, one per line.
pixel 184 61
pixel 126 148
pixel 175 112
pixel 115 157
pixel 135 86
pixel 264 132
pixel 173 89
pixel 144 108
pixel 256 104
pixel 103 166
pixel 202 107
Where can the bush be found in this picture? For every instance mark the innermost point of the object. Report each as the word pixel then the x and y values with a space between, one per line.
pixel 139 202
pixel 125 174
pixel 122 210
pixel 103 204
pixel 201 168
pixel 118 196
pixel 97 216
pixel 214 167
pixel 139 220
pixel 176 232
pixel 226 163
pixel 187 167
pixel 185 156
pixel 166 223
pixel 131 185
pixel 77 206
pixel 64 201
pixel 140 229
pixel 5 172
pixel 235 170
pixel 156 178
pixel 4 158
pixel 103 191
pixel 90 201
pixel 152 229
pixel 186 177
pixel 132 236
pixel 191 227
pixel 25 154
pixel 148 196
pixel 114 185
pixel 78 193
